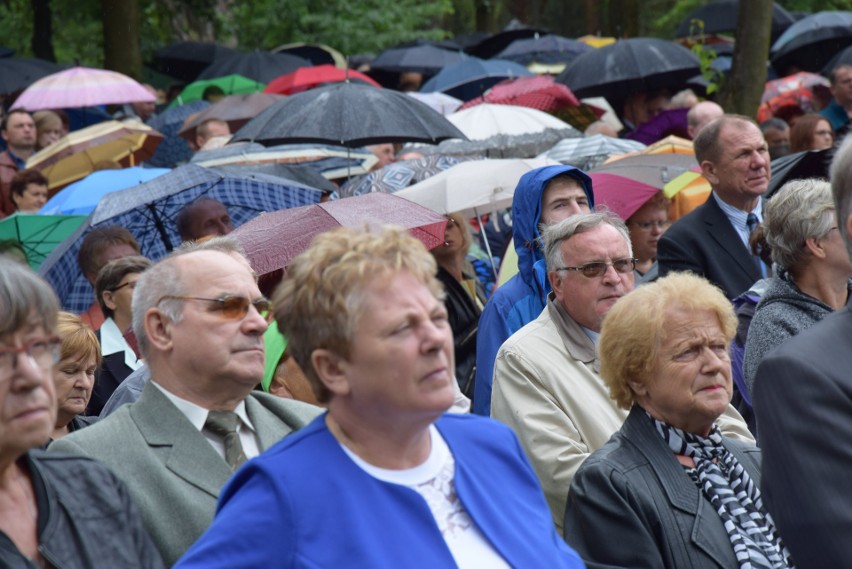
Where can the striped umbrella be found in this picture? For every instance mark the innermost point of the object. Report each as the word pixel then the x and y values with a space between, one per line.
pixel 82 87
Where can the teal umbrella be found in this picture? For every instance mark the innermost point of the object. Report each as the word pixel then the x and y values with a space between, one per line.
pixel 38 234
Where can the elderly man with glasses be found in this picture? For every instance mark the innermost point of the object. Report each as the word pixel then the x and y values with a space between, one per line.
pixel 547 385
pixel 199 318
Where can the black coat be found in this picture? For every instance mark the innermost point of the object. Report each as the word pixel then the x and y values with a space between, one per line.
pixel 463 314
pixel 108 376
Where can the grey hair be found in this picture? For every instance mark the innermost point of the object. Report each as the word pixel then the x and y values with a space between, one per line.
pixel 801 209
pixel 24 295
pixel 706 142
pixel 554 235
pixel 222 243
pixel 841 188
pixel 162 279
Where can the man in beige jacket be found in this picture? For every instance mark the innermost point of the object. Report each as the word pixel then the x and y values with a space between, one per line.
pixel 546 382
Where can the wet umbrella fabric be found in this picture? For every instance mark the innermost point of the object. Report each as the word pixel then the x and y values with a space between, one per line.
pixel 187 59
pixel 306 78
pixel 399 175
pixel 544 49
pixel 350 115
pixel 630 66
pixel 17 73
pixel 471 77
pixel 810 43
pixel 419 58
pixel 539 92
pixel 236 110
pixel 230 85
pixel 258 65
pixel 440 102
pixel 39 234
pixel 173 150
pixel 82 197
pixel 148 212
pixel 274 239
pixel 316 53
pixel 798 166
pixel 591 151
pixel 301 173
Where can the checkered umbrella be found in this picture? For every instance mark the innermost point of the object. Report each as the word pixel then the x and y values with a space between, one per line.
pixel 148 212
pixel 400 175
pixel 590 152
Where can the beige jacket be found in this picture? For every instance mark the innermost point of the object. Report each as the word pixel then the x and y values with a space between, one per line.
pixel 547 389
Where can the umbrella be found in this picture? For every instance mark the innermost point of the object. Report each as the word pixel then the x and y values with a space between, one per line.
pixel 547 49
pixel 39 234
pixel 794 82
pixel 491 45
pixel 330 161
pixel 399 175
pixel 316 53
pixel 630 66
pixel 655 170
pixel 274 239
pixel 301 173
pixel 230 85
pixel 440 102
pixel 671 122
pixel 306 78
pixel 721 17
pixel 236 110
pixel 261 66
pixel 82 87
pixel 75 155
pixel 797 166
pixel 187 59
pixel 82 197
pixel 619 194
pixel 148 212
pixel 350 115
pixel 426 59
pixel 173 150
pixel 471 77
pixel 473 188
pixel 589 152
pixel 539 92
pixel 670 145
pixel 842 57
pixel 811 42
pixel 17 73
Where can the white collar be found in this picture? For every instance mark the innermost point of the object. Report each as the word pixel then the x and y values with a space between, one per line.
pixel 112 341
pixel 196 414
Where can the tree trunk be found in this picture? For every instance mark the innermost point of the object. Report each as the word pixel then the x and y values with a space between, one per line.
pixel 592 23
pixel 742 89
pixel 121 37
pixel 42 40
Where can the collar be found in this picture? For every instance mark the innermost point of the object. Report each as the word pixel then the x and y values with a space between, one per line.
pixel 112 341
pixel 196 414
pixel 738 217
pixel 578 343
pixel 20 163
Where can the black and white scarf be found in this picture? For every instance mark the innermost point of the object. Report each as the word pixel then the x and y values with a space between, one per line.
pixel 731 491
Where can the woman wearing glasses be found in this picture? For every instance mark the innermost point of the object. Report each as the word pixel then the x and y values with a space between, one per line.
pixel 55 510
pixel 114 290
pixel 646 226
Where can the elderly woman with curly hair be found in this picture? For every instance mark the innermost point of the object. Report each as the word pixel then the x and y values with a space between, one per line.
pixel 384 479
pixel 669 488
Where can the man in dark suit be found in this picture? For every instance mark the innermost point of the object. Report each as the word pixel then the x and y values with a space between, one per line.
pixel 197 317
pixel 712 240
pixel 803 401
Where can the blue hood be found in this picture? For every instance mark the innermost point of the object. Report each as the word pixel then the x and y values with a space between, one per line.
pixel 526 211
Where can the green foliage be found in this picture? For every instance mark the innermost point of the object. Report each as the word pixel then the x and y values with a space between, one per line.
pixel 705 57
pixel 16 25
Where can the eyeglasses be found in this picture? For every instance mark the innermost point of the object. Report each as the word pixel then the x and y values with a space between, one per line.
pixel 42 351
pixel 233 307
pixel 647 225
pixel 597 269
pixel 131 284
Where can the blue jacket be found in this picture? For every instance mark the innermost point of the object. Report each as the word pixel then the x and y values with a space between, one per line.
pixel 836 115
pixel 304 503
pixel 523 297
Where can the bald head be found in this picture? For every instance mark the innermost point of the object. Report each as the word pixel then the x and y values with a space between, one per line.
pixel 701 115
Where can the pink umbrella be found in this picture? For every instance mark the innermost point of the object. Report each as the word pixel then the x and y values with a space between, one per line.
pixel 82 87
pixel 619 194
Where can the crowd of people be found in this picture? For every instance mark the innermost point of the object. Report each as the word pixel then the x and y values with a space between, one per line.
pixel 644 391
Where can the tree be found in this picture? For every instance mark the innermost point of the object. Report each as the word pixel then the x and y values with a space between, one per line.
pixel 42 42
pixel 744 86
pixel 121 37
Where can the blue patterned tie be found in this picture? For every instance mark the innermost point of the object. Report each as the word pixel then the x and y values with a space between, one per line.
pixel 752 222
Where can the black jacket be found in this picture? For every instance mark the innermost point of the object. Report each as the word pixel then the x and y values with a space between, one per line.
pixel 85 518
pixel 463 314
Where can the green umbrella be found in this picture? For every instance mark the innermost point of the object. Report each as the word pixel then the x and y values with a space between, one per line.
pixel 38 234
pixel 230 84
pixel 275 343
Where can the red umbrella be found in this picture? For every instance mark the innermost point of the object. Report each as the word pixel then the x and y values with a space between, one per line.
pixel 537 92
pixel 306 78
pixel 272 240
pixel 792 95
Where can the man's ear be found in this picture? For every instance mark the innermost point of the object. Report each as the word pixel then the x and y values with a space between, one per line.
pixel 158 328
pixel 709 171
pixel 331 370
pixel 555 284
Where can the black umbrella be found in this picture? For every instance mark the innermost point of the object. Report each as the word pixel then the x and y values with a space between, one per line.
pixel 6 51
pixel 843 57
pixel 721 17
pixel 811 42
pixel 261 66
pixel 348 114
pixel 187 59
pixel 630 66
pixel 544 49
pixel 17 73
pixel 419 58
pixel 316 53
pixel 798 166
pixel 494 44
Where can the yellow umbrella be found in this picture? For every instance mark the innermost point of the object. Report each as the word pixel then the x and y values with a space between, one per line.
pixel 596 41
pixel 670 145
pixel 687 192
pixel 75 156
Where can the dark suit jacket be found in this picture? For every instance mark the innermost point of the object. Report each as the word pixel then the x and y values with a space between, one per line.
pixel 803 400
pixel 632 505
pixel 705 243
pixel 108 377
pixel 173 473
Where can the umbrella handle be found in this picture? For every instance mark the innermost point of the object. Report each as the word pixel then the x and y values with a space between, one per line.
pixel 487 245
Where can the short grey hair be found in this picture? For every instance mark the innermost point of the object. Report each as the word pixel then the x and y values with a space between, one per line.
pixel 23 294
pixel 554 235
pixel 222 243
pixel 162 279
pixel 801 209
pixel 841 188
pixel 706 142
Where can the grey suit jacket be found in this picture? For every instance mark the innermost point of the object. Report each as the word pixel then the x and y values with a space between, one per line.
pixel 173 473
pixel 632 505
pixel 705 243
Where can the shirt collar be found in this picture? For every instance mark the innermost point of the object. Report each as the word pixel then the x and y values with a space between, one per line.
pixel 197 414
pixel 112 341
pixel 738 217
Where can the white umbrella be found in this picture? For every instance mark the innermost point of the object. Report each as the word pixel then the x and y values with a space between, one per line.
pixel 591 151
pixel 441 102
pixel 487 120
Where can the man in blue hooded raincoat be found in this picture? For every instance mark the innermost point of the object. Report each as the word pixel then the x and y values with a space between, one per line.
pixel 543 196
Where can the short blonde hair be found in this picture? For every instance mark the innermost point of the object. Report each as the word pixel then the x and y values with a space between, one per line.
pixel 79 342
pixel 635 327
pixel 319 301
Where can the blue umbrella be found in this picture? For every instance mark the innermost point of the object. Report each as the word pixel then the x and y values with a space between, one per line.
pixel 173 150
pixel 471 77
pixel 148 212
pixel 82 197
